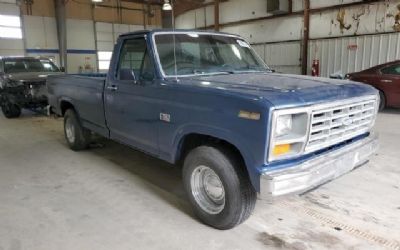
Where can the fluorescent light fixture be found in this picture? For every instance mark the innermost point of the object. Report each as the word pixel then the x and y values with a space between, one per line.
pixel 97 1
pixel 166 5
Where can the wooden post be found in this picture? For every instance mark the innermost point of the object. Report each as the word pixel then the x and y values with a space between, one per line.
pixel 306 35
pixel 216 15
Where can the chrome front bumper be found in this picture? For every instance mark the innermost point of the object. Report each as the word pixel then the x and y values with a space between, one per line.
pixel 318 170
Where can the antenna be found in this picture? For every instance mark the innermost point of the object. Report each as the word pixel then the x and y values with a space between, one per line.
pixel 174 41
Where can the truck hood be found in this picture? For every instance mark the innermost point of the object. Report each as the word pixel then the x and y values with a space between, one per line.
pixel 284 90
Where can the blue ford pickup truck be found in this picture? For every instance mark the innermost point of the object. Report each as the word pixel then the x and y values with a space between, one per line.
pixel 206 101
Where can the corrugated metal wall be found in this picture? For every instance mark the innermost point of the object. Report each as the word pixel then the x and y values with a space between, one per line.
pixel 368 29
pixel 283 57
pixel 351 54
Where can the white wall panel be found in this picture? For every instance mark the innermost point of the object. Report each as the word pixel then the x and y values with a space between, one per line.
pixel 80 34
pixel 149 27
pixel 200 17
pixel 9 8
pixel 298 5
pixel 273 30
pixel 367 18
pixel 235 10
pixel 105 46
pixel 77 61
pixel 362 19
pixel 186 20
pixel 120 29
pixel 325 3
pixel 104 36
pixel 40 32
pixel 10 47
pixel 80 46
pixel 107 33
pixel 104 27
pixel 283 57
pixel 351 54
pixel 133 28
pixel 209 10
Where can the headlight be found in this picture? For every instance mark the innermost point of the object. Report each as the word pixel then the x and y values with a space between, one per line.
pixel 283 125
pixel 289 133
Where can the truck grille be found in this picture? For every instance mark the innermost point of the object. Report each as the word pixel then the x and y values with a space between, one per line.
pixel 335 124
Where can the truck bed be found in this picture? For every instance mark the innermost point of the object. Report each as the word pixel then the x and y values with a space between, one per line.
pixel 85 92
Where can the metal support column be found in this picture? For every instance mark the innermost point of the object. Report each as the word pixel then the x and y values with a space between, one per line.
pixel 306 36
pixel 61 31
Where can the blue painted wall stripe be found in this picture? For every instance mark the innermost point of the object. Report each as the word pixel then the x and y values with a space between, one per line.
pixel 81 51
pixel 56 51
pixel 38 51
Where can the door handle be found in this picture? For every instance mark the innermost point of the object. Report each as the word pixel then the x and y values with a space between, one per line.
pixel 386 80
pixel 112 88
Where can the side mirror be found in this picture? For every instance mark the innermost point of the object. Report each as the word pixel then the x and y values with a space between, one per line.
pixel 127 74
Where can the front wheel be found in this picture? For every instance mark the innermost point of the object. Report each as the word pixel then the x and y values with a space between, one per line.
pixel 218 187
pixel 11 110
pixel 78 137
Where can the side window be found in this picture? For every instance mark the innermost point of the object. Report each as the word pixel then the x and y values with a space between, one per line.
pixel 391 70
pixel 134 56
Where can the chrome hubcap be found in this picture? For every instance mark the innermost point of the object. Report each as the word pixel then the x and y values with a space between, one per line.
pixel 208 190
pixel 70 131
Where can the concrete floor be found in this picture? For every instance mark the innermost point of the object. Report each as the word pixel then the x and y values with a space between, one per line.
pixel 113 197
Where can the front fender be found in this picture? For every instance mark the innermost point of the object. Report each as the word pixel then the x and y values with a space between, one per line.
pixel 229 136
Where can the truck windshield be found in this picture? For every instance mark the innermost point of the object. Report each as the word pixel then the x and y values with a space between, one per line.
pixel 19 65
pixel 198 54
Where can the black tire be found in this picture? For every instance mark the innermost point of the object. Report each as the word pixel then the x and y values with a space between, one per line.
pixel 11 110
pixel 239 195
pixel 382 103
pixel 77 137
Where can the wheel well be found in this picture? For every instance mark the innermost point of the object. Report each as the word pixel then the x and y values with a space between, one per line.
pixel 192 141
pixel 65 106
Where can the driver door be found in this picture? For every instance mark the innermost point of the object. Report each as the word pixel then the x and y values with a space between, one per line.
pixel 131 109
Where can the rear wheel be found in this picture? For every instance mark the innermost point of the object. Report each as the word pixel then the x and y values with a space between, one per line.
pixel 382 103
pixel 77 137
pixel 218 187
pixel 11 110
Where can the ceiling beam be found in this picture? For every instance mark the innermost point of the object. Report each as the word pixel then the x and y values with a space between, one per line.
pixel 151 2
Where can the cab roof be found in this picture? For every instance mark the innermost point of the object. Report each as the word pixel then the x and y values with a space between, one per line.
pixel 150 32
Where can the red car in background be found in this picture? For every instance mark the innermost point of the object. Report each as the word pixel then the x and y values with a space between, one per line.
pixel 384 77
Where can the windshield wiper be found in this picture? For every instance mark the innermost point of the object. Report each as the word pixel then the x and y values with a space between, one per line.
pixel 197 72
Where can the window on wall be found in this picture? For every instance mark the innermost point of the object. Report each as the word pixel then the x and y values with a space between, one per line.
pixel 104 58
pixel 10 27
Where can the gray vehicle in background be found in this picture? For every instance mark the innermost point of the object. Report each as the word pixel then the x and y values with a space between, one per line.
pixel 23 84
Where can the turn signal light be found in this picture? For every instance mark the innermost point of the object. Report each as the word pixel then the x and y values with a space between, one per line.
pixel 281 149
